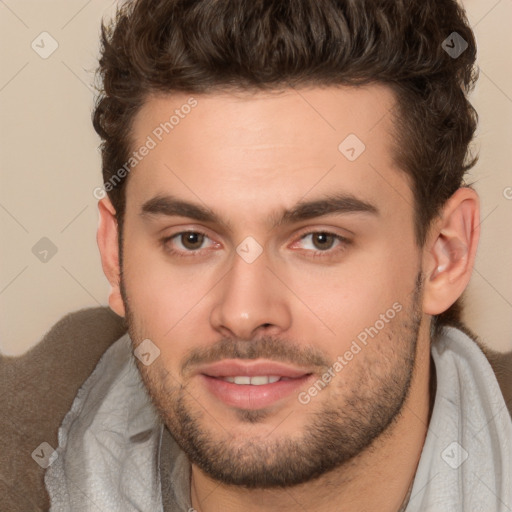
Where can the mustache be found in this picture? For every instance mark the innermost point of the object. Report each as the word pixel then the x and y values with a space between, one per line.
pixel 266 347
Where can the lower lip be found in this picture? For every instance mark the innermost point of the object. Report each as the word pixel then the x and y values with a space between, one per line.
pixel 248 396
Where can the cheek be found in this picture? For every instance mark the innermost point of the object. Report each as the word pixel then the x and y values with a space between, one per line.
pixel 347 298
pixel 162 296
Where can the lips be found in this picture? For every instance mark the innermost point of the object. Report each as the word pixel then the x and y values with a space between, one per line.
pixel 252 385
pixel 236 368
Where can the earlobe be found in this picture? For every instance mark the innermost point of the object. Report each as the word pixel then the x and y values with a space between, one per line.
pixel 107 239
pixel 450 251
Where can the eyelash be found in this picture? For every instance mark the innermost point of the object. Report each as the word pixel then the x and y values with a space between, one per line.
pixel 342 245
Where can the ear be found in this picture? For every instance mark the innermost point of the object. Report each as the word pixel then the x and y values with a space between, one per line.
pixel 449 254
pixel 107 238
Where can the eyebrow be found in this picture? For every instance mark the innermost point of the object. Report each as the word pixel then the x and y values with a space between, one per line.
pixel 341 203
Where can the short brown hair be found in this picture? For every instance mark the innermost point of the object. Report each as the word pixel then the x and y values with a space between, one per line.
pixel 202 46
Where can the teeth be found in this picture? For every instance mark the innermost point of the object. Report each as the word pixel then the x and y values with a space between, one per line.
pixel 255 381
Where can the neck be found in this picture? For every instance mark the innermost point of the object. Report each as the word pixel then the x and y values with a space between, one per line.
pixel 380 478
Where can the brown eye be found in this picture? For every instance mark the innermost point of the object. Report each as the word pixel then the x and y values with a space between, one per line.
pixel 188 244
pixel 192 240
pixel 323 241
pixel 323 244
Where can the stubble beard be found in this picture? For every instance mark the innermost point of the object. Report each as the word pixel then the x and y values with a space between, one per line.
pixel 348 423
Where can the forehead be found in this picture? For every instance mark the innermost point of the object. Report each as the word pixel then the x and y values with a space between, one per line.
pixel 264 146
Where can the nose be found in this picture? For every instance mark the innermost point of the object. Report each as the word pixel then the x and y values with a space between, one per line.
pixel 250 299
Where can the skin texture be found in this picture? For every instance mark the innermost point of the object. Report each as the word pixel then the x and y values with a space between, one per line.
pixel 304 300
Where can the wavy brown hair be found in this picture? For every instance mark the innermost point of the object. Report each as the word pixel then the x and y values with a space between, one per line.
pixel 205 46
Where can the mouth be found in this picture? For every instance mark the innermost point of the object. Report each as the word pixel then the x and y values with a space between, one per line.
pixel 253 385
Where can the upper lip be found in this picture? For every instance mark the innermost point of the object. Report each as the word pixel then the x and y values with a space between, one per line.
pixel 232 368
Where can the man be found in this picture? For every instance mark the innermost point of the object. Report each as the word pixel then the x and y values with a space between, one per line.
pixel 287 233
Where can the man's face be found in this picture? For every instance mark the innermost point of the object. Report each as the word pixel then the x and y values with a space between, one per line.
pixel 238 282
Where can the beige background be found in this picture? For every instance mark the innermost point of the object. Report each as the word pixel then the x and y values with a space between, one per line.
pixel 50 165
